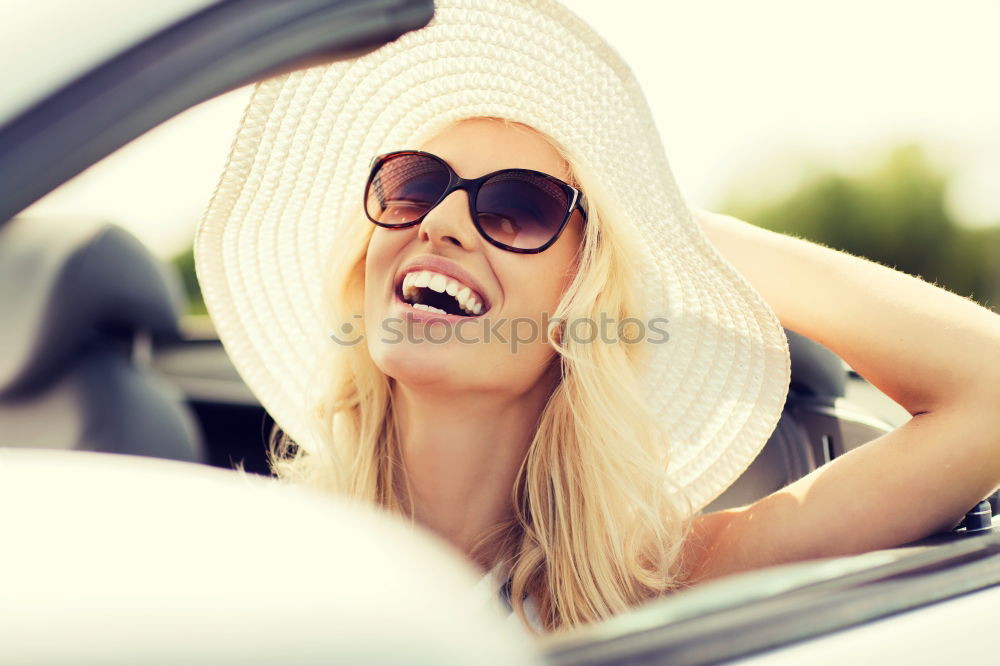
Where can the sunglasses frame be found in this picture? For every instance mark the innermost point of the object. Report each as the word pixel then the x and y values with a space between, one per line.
pixel 576 198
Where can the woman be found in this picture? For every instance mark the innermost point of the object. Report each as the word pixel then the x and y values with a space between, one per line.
pixel 509 327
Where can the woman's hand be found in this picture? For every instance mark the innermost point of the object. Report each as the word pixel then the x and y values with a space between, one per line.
pixel 934 352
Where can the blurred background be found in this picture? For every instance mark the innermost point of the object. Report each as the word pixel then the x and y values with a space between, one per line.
pixel 872 127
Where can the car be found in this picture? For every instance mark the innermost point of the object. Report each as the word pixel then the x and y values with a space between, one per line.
pixel 120 429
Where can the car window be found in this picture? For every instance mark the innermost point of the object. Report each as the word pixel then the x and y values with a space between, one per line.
pixel 86 32
pixel 158 185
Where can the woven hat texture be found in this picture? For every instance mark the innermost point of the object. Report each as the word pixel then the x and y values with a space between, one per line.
pixel 297 171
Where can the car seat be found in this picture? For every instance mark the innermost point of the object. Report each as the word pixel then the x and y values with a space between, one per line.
pixel 82 301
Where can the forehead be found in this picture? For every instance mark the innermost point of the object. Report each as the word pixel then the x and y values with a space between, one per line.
pixel 478 146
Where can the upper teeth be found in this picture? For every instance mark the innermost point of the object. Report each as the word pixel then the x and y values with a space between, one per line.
pixel 466 298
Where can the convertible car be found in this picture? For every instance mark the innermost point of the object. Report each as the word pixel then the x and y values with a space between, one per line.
pixel 129 537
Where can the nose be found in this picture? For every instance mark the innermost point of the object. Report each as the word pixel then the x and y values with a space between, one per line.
pixel 449 222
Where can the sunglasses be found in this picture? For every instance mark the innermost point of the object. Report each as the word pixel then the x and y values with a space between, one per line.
pixel 519 210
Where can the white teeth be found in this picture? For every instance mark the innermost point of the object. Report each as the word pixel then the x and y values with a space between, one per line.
pixel 467 301
pixel 463 295
pixel 428 308
pixel 471 305
pixel 438 283
pixel 409 291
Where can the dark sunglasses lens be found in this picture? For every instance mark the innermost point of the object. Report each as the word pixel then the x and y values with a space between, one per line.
pixel 521 210
pixel 405 187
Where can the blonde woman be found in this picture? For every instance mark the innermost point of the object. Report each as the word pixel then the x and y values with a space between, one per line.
pixel 459 275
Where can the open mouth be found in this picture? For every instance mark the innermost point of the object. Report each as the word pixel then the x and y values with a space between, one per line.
pixel 434 292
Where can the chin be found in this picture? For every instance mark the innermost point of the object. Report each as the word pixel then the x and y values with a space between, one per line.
pixel 419 363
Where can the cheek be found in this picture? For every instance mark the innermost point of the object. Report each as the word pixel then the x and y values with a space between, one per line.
pixel 383 248
pixel 378 252
pixel 565 262
pixel 538 286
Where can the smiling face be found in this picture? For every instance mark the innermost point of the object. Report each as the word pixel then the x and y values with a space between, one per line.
pixel 514 293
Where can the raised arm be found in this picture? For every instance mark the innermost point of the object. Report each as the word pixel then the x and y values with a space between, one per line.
pixel 934 352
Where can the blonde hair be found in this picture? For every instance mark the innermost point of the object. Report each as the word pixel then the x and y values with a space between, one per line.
pixel 594 527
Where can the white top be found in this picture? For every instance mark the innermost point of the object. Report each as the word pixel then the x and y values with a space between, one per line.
pixel 490 591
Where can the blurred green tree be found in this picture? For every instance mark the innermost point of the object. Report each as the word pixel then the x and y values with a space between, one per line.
pixel 184 263
pixel 894 214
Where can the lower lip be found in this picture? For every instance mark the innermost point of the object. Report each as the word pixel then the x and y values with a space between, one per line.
pixel 411 313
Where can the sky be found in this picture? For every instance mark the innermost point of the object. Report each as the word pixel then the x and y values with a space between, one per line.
pixel 741 92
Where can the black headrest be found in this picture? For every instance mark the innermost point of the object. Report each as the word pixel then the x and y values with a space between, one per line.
pixel 66 283
pixel 815 369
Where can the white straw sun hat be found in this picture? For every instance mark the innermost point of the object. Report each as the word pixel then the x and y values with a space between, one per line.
pixel 297 171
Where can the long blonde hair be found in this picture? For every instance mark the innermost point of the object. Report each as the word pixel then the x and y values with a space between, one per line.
pixel 594 527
